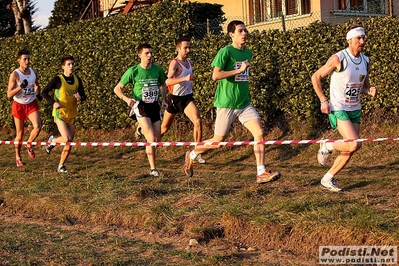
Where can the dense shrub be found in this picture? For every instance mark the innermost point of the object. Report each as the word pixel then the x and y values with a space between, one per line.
pixel 280 72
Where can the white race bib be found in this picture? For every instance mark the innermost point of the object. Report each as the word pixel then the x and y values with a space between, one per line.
pixel 149 93
pixel 352 93
pixel 242 76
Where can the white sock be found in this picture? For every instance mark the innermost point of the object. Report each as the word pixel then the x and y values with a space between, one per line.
pixel 327 177
pixel 260 169
pixel 329 146
pixel 193 155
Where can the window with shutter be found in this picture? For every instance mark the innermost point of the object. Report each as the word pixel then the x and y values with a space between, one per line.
pixel 291 7
pixel 265 10
pixel 366 6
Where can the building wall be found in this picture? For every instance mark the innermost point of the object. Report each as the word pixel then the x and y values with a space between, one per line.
pixel 106 5
pixel 337 18
pixel 321 10
pixel 231 8
pixel 395 8
pixel 291 22
pixel 286 24
pixel 243 10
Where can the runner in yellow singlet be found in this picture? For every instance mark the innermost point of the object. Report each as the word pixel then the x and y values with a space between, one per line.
pixel 68 89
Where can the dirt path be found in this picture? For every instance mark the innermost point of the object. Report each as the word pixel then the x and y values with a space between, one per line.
pixel 215 247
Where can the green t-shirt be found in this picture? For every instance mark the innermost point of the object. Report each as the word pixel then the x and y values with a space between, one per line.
pixel 145 82
pixel 232 92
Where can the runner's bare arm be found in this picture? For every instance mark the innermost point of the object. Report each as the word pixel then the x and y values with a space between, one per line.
pixel 11 89
pixel 367 89
pixel 219 73
pixel 172 72
pixel 331 65
pixel 164 89
pixel 118 90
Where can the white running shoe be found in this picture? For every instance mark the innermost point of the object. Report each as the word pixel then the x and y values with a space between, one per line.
pixel 330 185
pixel 49 147
pixel 323 153
pixel 62 169
pixel 154 173
pixel 200 159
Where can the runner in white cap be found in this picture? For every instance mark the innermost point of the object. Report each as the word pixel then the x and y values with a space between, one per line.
pixel 349 78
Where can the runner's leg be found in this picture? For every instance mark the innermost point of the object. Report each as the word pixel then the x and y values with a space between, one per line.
pixel 36 124
pixel 19 134
pixel 67 135
pixel 192 113
pixel 166 122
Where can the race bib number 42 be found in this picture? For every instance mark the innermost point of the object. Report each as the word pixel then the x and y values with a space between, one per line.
pixel 352 93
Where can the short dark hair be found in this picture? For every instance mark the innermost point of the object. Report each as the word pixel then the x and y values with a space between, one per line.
pixel 66 58
pixel 182 39
pixel 143 46
pixel 231 27
pixel 22 52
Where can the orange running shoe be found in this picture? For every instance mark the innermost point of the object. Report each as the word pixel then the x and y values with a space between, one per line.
pixel 267 176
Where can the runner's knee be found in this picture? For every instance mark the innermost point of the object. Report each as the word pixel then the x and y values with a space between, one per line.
pixel 218 138
pixel 197 123
pixel 19 134
pixel 66 138
pixel 37 129
pixel 355 146
pixel 260 134
pixel 67 148
pixel 150 137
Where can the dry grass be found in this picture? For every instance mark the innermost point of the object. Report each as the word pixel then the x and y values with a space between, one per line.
pixel 108 210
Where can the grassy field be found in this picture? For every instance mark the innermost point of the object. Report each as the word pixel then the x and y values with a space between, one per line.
pixel 108 211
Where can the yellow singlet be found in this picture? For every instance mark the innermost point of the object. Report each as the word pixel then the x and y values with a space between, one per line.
pixel 64 96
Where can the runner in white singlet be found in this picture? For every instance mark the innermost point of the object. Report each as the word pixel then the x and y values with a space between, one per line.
pixel 23 87
pixel 180 98
pixel 349 78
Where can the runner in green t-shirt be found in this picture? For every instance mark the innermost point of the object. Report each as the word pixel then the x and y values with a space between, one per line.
pixel 233 101
pixel 146 79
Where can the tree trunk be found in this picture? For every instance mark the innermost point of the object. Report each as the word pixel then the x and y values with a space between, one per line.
pixel 23 18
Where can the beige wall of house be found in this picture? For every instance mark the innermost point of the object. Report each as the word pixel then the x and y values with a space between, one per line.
pixel 242 10
pixel 286 24
pixel 321 10
pixel 231 8
pixel 106 5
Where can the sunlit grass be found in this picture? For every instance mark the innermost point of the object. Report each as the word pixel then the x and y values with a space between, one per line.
pixel 111 187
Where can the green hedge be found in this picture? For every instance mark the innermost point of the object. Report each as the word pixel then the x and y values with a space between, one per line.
pixel 280 72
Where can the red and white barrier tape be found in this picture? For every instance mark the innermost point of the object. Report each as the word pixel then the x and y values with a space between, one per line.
pixel 166 144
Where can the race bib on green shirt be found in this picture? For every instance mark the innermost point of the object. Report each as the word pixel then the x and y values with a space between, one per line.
pixel 149 93
pixel 242 76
